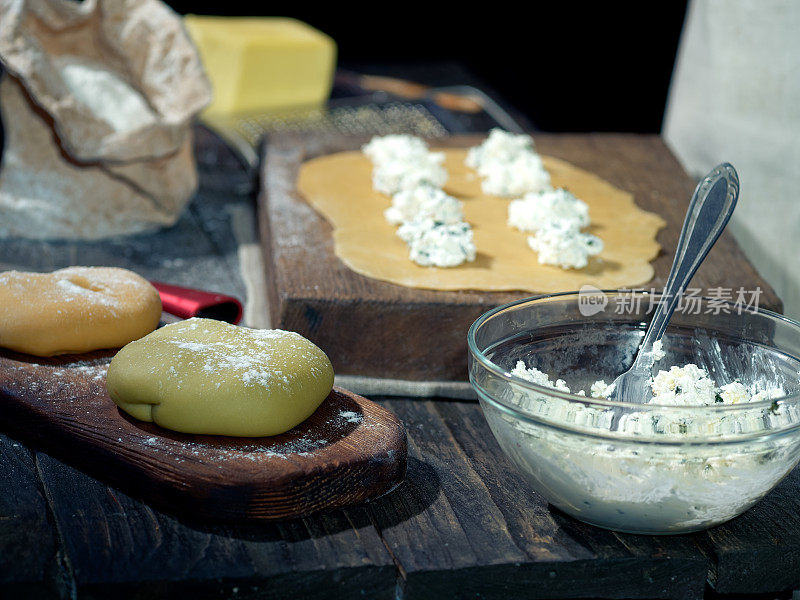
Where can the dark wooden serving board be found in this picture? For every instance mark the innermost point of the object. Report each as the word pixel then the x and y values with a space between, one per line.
pixel 349 451
pixel 374 328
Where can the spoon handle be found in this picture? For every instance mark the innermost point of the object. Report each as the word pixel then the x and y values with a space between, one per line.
pixel 710 209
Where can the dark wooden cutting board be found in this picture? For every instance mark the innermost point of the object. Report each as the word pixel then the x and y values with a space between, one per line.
pixel 349 451
pixel 374 328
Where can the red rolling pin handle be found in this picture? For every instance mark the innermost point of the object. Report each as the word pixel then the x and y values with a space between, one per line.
pixel 187 302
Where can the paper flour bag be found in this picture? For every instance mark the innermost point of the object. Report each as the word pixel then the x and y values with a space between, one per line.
pixel 97 109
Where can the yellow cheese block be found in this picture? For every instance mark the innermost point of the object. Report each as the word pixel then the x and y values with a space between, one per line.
pixel 263 63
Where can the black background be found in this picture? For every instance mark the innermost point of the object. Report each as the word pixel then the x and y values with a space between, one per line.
pixel 567 66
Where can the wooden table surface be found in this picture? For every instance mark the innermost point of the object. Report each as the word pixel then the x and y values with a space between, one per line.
pixel 463 525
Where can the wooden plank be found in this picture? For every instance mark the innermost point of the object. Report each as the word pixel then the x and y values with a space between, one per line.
pixel 419 334
pixel 759 552
pixel 484 534
pixel 121 547
pixel 30 564
pixel 463 523
pixel 515 498
pixel 348 451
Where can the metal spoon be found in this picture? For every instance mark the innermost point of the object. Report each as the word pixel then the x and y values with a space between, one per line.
pixel 710 209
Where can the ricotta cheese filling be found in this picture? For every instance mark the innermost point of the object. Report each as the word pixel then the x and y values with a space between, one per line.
pixel 405 169
pixel 431 222
pixel 438 244
pixel 386 149
pixel 423 169
pixel 562 243
pixel 508 164
pixel 403 162
pixel 424 202
pixel 688 385
pixel 526 173
pixel 588 461
pixel 499 146
pixel 536 210
pixel 555 217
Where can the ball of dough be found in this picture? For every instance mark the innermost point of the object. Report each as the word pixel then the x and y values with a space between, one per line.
pixel 206 376
pixel 78 309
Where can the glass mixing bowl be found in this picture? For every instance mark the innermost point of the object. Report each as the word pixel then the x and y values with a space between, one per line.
pixel 638 467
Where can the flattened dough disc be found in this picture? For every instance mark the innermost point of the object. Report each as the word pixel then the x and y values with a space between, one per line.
pixel 339 186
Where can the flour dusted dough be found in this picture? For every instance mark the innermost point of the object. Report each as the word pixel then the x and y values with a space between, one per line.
pixel 339 186
pixel 73 310
pixel 206 376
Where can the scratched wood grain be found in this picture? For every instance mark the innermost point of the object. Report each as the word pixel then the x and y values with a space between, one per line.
pixel 488 535
pixel 29 560
pixel 120 547
pixel 463 525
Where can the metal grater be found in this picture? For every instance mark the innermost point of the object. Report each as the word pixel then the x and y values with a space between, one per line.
pixel 372 118
pixel 368 119
pixel 377 113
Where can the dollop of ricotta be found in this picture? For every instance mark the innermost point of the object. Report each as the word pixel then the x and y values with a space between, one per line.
pixel 424 202
pixel 403 162
pixel 508 164
pixel 431 222
pixel 385 149
pixel 436 244
pixel 498 147
pixel 416 170
pixel 564 245
pixel 536 210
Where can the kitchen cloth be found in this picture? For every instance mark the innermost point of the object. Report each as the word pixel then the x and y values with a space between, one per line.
pixel 735 96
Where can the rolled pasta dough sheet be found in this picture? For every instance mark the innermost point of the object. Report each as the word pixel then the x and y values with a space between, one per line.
pixel 339 186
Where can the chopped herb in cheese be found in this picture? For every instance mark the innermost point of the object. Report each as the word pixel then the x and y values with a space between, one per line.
pixel 537 209
pixel 523 174
pixel 563 245
pixel 402 162
pixel 424 202
pixel 393 177
pixel 436 244
pixel 508 164
pixel 498 147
